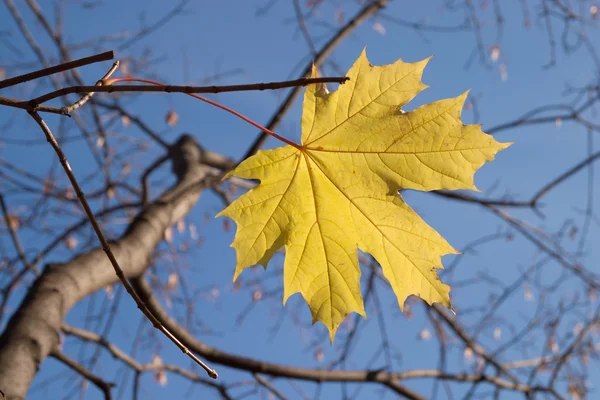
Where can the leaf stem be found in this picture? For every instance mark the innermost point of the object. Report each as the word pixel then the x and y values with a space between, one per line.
pixel 109 82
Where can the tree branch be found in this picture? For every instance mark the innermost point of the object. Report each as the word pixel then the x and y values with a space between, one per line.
pixel 32 332
pixel 108 55
pixel 84 372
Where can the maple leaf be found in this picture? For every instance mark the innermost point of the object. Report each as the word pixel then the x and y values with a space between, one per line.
pixel 338 191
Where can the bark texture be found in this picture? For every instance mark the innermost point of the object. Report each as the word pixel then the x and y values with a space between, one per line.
pixel 33 330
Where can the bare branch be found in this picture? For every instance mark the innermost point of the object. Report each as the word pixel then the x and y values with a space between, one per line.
pixel 109 88
pixel 109 55
pixel 100 383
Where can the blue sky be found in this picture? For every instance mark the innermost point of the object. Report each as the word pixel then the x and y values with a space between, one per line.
pixel 213 37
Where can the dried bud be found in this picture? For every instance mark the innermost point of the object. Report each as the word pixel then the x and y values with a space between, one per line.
pixel 497 333
pixel 48 186
pixel 71 243
pixel 126 170
pixel 468 354
pixel 379 28
pixel 193 232
pixel 156 360
pixel 181 226
pixel 528 293
pixel 226 225
pixel 109 292
pixel 172 281
pixel 169 235
pixel 160 377
pixel 172 118
pixel 237 285
pixel 495 53
pixel 319 355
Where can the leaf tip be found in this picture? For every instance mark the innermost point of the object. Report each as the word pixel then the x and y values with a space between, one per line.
pixel 286 294
pixel 401 302
pixel 235 275
pixel 225 213
pixel 314 72
pixel 425 61
pixel 362 311
pixel 363 53
pixel 463 97
pixel 227 175
pixel 420 67
pixel 331 336
pixel 238 270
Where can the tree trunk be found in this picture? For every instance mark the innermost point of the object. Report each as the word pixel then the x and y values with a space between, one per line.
pixel 33 330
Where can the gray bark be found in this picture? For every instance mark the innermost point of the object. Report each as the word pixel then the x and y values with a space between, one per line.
pixel 33 330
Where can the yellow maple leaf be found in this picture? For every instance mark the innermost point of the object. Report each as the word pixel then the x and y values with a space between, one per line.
pixel 338 191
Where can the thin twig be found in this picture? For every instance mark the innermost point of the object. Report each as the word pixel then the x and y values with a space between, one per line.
pixel 144 179
pixel 15 238
pixel 269 387
pixel 155 26
pixel 131 362
pixel 88 96
pixel 567 174
pixel 109 88
pixel 84 372
pixel 136 121
pixel 24 105
pixel 106 248
pixel 108 55
pixel 469 342
pixel 302 24
pixel 472 199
